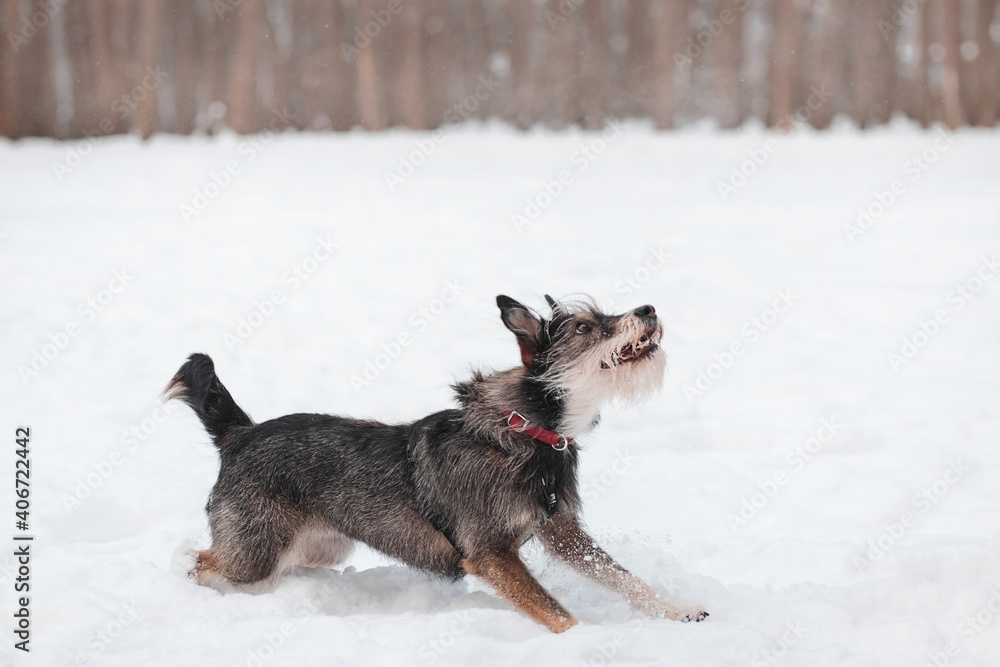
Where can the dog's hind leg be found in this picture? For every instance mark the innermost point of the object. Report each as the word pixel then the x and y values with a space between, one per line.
pixel 208 571
pixel 512 580
pixel 249 547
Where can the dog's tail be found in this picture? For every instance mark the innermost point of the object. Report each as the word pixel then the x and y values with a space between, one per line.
pixel 197 385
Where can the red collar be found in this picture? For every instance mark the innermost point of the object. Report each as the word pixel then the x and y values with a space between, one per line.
pixel 517 422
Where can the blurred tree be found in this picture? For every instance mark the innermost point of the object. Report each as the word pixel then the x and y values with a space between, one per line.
pixel 185 36
pixel 144 94
pixel 988 70
pixel 639 25
pixel 243 81
pixel 782 63
pixel 10 20
pixel 36 102
pixel 950 95
pixel 525 22
pixel 666 15
pixel 728 65
pixel 831 16
pixel 595 67
pixel 865 15
pixel 411 74
pixel 926 107
pixel 440 65
pixel 562 73
pixel 368 94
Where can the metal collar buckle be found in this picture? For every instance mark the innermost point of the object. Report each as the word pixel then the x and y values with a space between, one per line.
pixel 510 418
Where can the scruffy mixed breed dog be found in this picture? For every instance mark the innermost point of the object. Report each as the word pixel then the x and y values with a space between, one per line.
pixel 455 493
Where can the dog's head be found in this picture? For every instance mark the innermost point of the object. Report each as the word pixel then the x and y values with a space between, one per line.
pixel 586 356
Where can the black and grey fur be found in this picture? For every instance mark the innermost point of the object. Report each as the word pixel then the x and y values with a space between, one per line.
pixel 454 493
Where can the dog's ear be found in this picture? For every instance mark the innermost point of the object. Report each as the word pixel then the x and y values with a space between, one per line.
pixel 525 325
pixel 557 308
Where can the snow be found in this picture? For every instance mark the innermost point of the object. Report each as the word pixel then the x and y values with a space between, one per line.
pixel 809 431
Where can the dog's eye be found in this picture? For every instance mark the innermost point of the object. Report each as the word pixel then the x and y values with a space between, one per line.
pixel 583 327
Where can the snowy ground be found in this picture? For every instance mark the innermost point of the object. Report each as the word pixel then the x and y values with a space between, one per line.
pixel 828 503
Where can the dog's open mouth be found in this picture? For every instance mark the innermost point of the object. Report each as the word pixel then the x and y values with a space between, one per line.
pixel 645 347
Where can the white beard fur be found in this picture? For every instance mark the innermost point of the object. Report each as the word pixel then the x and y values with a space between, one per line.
pixel 586 387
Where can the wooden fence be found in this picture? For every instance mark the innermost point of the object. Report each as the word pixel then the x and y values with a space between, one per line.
pixel 74 68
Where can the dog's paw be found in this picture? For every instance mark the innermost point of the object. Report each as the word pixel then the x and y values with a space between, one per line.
pixel 684 615
pixel 697 615
pixel 562 624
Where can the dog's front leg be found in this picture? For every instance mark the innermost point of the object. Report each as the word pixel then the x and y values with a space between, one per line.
pixel 511 579
pixel 565 537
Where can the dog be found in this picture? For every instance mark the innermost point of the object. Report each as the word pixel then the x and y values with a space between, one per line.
pixel 455 493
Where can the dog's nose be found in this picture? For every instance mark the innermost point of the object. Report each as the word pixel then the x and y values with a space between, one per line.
pixel 645 311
